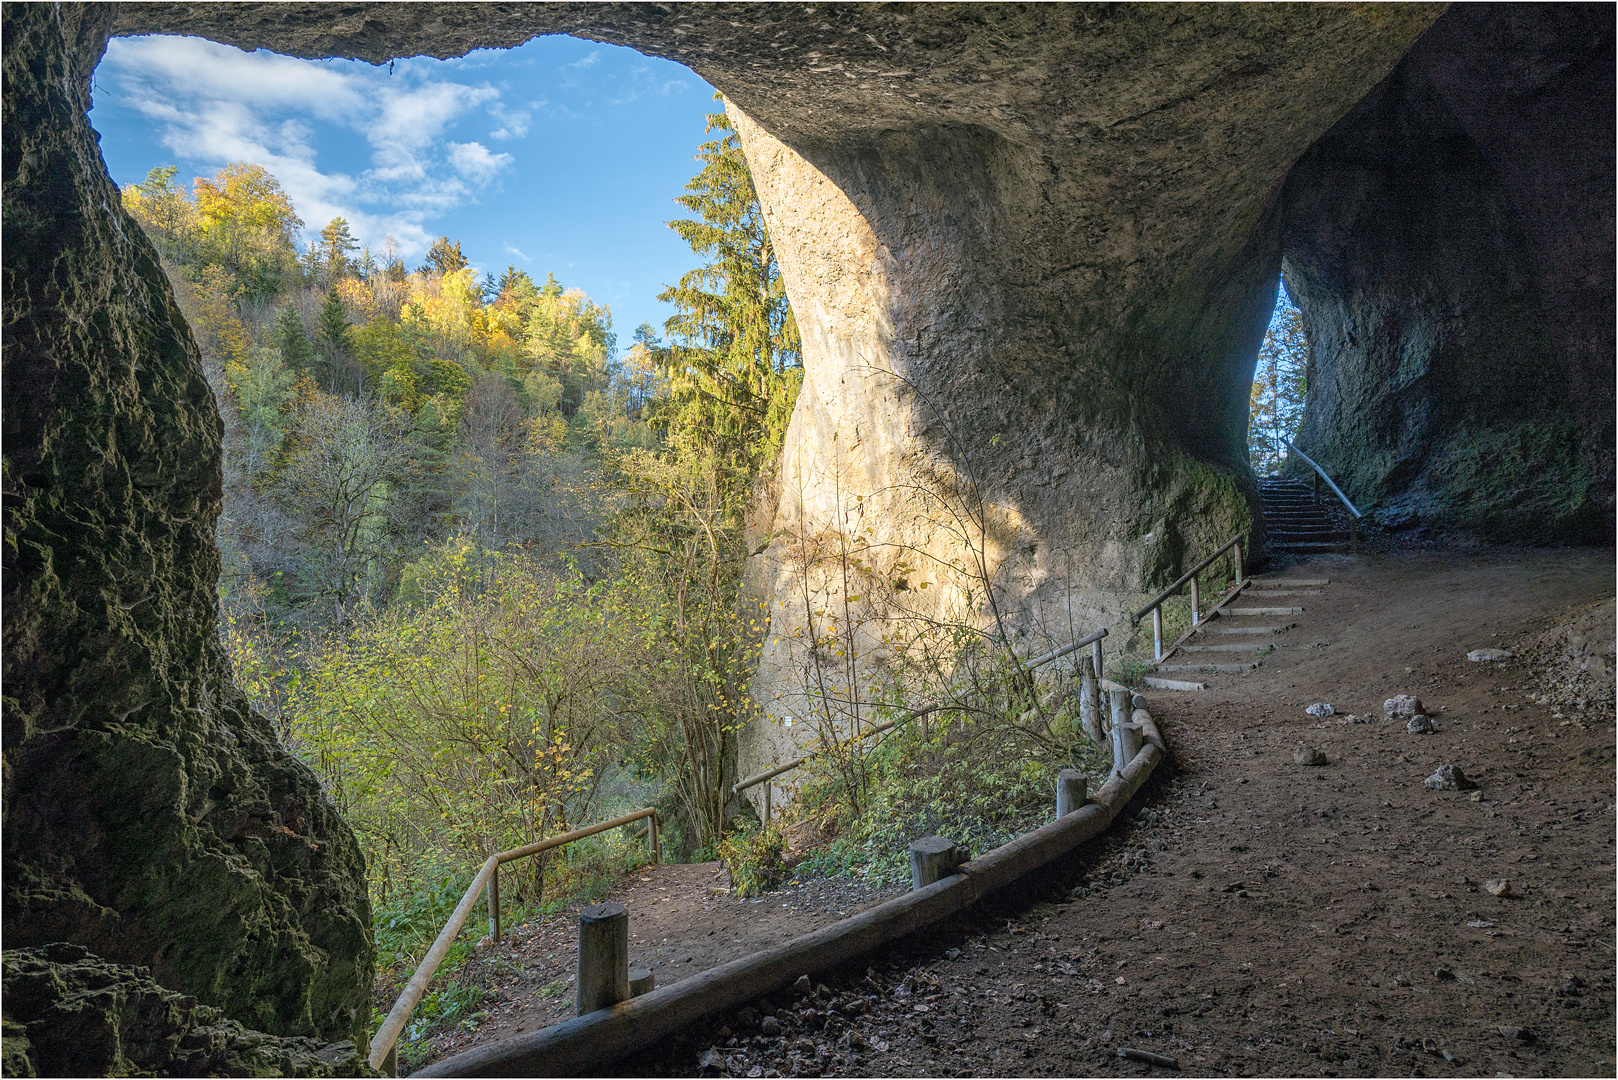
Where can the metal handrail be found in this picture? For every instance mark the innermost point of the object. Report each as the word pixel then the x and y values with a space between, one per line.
pixel 1155 605
pixel 386 1038
pixel 1234 542
pixel 1329 481
pixel 932 707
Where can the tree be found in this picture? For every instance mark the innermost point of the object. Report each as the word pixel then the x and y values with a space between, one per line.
pixel 1280 387
pixel 334 331
pixel 444 257
pixel 293 342
pixel 733 364
pixel 335 244
pixel 341 483
pixel 164 211
pixel 248 226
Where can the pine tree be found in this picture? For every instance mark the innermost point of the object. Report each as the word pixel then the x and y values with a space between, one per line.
pixel 335 244
pixel 733 362
pixel 444 257
pixel 294 344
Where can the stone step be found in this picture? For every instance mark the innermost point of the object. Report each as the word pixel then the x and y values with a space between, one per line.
pixel 1261 611
pixel 1206 629
pixel 1219 669
pixel 1173 684
pixel 1246 646
pixel 1309 545
pixel 1270 594
pixel 1288 583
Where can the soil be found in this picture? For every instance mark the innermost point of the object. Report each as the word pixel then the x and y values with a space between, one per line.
pixel 683 919
pixel 1252 916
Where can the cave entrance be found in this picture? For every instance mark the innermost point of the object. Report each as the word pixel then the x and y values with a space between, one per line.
pixel 1279 389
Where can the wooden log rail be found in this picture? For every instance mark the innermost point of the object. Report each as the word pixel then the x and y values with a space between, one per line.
pixel 383 1048
pixel 587 1044
pixel 1155 605
pixel 1093 640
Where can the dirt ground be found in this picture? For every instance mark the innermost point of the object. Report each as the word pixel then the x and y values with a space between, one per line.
pixel 1253 916
pixel 682 920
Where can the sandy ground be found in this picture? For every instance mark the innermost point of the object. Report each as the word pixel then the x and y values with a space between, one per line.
pixel 1253 916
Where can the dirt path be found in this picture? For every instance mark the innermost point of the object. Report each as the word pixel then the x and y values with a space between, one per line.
pixel 1265 918
pixel 682 920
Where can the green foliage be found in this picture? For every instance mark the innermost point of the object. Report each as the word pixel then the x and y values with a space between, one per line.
pixel 754 859
pixel 733 365
pixel 1280 388
pixel 293 341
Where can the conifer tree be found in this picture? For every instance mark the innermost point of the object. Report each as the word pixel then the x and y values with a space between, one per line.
pixel 294 344
pixel 733 362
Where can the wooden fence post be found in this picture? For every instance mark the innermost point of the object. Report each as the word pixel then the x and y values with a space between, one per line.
pixel 1090 702
pixel 1095 653
pixel 931 858
pixel 1157 633
pixel 1070 785
pixel 603 971
pixel 494 906
pixel 1120 701
pixel 1196 603
pixel 1236 558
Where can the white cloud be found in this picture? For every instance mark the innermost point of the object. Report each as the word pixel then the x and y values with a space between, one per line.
pixel 513 125
pixel 217 104
pixel 474 161
pixel 511 250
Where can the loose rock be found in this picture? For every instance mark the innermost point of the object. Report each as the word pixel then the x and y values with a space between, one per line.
pixel 1403 706
pixel 1419 724
pixel 1320 710
pixel 770 1026
pixel 1449 778
pixel 1480 656
pixel 1499 887
pixel 1309 755
pixel 1515 1033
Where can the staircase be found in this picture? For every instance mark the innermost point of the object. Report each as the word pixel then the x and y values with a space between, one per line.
pixel 1295 523
pixel 1236 639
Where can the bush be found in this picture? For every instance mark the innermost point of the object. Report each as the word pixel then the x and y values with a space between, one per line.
pixel 754 858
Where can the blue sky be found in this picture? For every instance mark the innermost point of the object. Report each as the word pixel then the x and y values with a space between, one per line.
pixel 560 156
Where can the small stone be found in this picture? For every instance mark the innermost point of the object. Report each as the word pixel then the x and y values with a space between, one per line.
pixel 1499 887
pixel 1308 755
pixel 1402 706
pixel 1515 1033
pixel 1449 778
pixel 1571 985
pixel 1443 974
pixel 952 954
pixel 712 1061
pixel 1420 724
pixel 805 1045
pixel 1483 656
pixel 802 986
pixel 1320 710
pixel 770 1026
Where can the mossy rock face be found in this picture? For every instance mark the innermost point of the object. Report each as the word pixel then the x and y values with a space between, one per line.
pixel 68 1012
pixel 149 815
pixel 1449 244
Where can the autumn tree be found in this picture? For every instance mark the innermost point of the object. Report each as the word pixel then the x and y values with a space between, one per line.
pixel 248 226
pixel 1280 387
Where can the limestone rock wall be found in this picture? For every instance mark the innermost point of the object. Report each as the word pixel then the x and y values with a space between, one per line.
pixel 1450 243
pixel 149 815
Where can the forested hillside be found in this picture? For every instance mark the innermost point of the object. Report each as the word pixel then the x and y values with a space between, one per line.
pixel 479 563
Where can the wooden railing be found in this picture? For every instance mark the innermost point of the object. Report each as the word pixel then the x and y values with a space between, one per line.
pixel 1093 640
pixel 384 1045
pixel 1155 605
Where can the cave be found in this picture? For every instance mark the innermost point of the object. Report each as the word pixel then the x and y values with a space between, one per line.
pixel 1032 251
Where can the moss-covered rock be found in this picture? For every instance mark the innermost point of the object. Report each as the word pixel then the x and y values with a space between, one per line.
pixel 68 1012
pixel 149 815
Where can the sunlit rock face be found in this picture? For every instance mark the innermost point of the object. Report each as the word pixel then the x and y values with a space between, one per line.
pixel 149 815
pixel 1450 243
